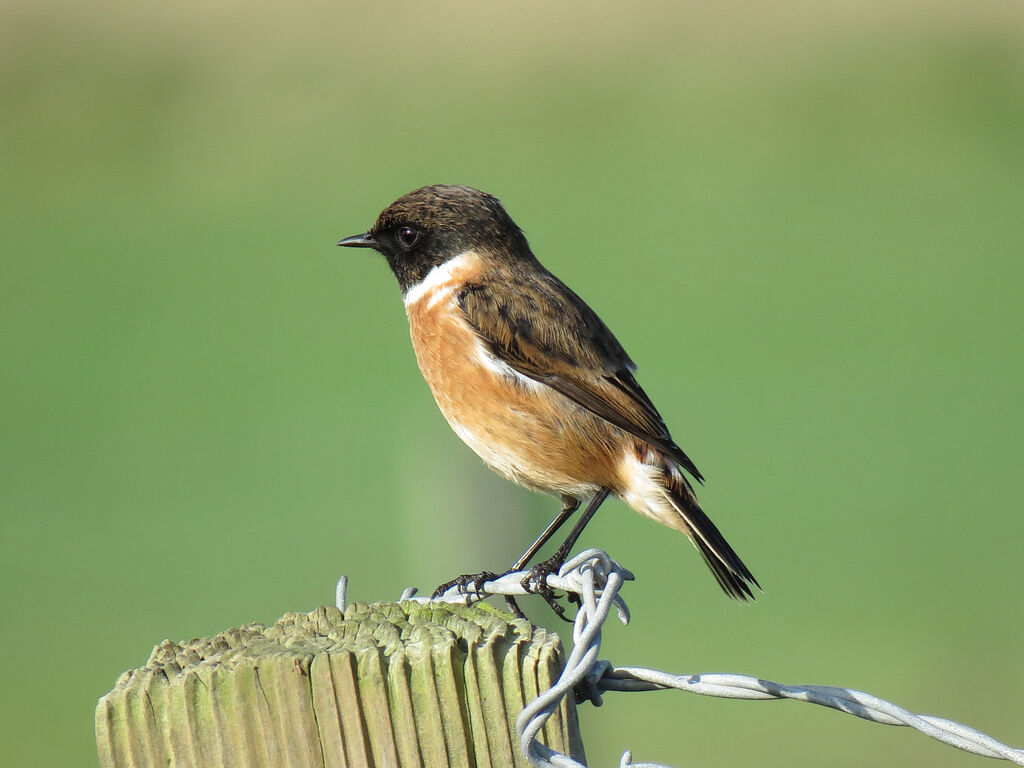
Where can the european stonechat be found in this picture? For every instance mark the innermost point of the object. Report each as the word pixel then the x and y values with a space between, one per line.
pixel 530 377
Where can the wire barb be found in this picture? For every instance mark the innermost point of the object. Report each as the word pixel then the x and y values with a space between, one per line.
pixel 595 580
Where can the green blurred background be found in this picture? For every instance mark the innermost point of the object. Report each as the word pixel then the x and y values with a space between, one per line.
pixel 804 220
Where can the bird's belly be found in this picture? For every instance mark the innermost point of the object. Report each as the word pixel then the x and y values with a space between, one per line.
pixel 524 430
pixel 526 450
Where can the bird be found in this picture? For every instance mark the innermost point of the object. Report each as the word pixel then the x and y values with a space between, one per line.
pixel 532 380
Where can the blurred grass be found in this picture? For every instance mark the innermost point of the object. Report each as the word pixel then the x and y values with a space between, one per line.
pixel 803 221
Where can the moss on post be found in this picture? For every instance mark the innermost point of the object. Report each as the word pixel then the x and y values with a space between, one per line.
pixel 391 684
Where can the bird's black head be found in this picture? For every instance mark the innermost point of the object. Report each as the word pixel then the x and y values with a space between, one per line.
pixel 431 225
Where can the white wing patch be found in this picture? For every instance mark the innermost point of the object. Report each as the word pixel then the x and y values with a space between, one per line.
pixel 503 369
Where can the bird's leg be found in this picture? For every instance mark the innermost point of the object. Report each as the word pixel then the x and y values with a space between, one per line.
pixel 536 579
pixel 569 505
pixel 476 580
pixel 513 606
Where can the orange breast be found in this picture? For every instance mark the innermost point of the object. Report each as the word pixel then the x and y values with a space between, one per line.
pixel 524 430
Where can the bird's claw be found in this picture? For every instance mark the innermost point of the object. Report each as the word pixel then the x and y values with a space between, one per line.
pixel 467 583
pixel 536 582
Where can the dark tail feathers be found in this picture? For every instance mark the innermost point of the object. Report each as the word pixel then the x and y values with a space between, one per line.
pixel 732 575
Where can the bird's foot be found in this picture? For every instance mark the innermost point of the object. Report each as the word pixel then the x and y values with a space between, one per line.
pixel 468 583
pixel 536 581
pixel 473 583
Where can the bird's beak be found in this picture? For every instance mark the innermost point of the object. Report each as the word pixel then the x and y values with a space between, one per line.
pixel 364 240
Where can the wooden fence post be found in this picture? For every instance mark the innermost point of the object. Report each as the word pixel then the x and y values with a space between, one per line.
pixel 409 685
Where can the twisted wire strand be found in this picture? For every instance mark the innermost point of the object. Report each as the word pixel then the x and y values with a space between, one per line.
pixel 596 579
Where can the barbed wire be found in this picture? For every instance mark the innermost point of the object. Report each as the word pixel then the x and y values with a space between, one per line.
pixel 596 579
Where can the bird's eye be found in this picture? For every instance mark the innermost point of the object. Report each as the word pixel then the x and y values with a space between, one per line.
pixel 407 237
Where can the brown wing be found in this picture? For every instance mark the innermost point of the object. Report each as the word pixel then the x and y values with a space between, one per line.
pixel 545 331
